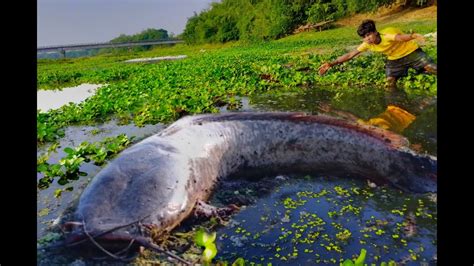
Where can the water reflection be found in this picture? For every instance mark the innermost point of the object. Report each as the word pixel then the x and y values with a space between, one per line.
pixel 415 118
pixel 53 99
pixel 393 118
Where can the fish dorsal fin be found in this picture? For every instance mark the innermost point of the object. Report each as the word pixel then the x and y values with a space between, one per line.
pixel 391 138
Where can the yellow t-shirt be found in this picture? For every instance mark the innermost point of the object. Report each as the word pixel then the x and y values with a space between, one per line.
pixel 388 46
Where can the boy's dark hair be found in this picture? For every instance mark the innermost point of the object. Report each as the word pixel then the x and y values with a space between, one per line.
pixel 367 26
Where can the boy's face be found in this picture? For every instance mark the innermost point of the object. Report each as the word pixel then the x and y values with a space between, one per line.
pixel 370 37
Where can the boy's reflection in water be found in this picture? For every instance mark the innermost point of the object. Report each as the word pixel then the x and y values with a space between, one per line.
pixel 395 117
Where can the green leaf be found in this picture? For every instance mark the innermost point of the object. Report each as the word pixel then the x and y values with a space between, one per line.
pixel 203 239
pixel 42 168
pixel 209 238
pixel 68 150
pixel 199 238
pixel 360 260
pixel 63 181
pixel 239 262
pixel 210 252
pixel 58 192
pixel 43 212
pixel 49 237
pixel 347 262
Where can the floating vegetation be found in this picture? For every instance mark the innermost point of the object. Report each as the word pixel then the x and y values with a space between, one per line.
pixel 206 240
pixel 152 93
pixel 68 167
pixel 329 220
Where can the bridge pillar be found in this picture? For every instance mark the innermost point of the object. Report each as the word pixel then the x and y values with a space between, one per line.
pixel 63 53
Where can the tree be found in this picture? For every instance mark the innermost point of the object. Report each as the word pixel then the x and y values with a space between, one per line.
pixel 229 20
pixel 146 35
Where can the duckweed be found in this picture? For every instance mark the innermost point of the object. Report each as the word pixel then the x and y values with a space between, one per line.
pixel 347 217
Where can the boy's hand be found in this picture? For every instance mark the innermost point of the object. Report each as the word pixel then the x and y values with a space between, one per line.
pixel 418 38
pixel 324 68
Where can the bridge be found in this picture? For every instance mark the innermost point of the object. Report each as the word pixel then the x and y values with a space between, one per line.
pixel 63 48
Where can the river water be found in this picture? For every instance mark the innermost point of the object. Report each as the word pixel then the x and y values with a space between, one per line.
pixel 53 99
pixel 311 220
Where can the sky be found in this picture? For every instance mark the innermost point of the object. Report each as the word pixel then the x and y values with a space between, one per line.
pixel 61 22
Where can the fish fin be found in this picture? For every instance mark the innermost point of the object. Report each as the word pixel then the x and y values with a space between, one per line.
pixel 203 209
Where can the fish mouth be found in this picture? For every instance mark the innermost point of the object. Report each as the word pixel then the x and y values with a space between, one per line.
pixel 102 245
pixel 116 241
pixel 113 245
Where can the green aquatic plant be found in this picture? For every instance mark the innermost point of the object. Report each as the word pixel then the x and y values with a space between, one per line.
pixel 203 239
pixel 358 262
pixel 344 235
pixel 68 167
pixel 239 262
pixel 390 263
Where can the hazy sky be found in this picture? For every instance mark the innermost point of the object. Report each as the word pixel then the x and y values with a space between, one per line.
pixel 85 21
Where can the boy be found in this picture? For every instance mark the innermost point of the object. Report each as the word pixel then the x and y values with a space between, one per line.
pixel 401 50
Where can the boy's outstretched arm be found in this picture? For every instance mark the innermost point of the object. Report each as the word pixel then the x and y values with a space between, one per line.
pixel 409 37
pixel 343 58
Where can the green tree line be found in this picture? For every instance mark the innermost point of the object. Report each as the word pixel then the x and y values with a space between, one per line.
pixel 268 19
pixel 146 35
pixel 149 34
